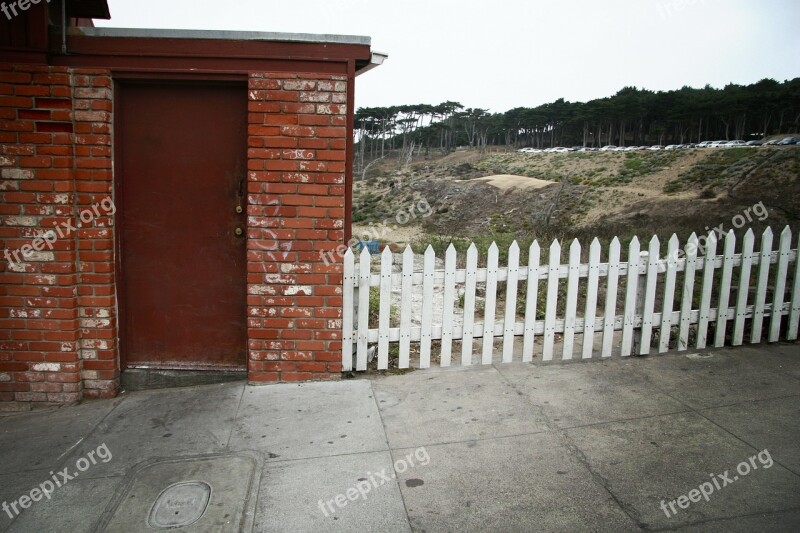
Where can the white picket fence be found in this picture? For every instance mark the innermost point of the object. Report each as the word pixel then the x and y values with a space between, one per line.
pixel 647 278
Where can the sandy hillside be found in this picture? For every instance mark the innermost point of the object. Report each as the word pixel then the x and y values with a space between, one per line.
pixel 510 181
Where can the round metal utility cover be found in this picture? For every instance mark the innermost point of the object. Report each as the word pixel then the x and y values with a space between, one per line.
pixel 180 505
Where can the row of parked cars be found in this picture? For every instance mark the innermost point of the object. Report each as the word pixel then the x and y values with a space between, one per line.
pixel 705 144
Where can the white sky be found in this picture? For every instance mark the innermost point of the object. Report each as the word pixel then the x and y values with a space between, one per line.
pixel 502 54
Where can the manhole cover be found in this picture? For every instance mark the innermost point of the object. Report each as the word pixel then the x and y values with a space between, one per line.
pixel 181 504
pixel 202 493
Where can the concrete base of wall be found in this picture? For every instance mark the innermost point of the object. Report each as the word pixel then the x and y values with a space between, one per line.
pixel 141 379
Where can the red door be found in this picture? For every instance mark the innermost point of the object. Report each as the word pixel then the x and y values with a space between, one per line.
pixel 181 164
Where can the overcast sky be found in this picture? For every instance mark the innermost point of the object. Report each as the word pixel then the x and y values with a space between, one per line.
pixel 508 53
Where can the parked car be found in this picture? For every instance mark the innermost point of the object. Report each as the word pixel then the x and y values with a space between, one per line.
pixel 673 146
pixel 717 144
pixel 789 140
pixel 733 144
pixel 754 143
pixel 773 142
pixel 704 144
pixel 608 148
pixel 656 147
pixel 526 150
pixel 630 148
pixel 561 150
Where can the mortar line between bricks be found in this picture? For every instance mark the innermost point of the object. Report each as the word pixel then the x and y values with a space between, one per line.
pixel 577 454
pixel 699 413
pixel 716 520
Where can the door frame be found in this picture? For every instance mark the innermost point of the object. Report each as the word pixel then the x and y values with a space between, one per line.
pixel 120 81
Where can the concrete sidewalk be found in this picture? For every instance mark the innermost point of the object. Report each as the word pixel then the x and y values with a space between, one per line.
pixel 588 446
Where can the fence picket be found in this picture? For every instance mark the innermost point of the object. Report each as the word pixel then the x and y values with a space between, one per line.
pixel 552 301
pixel 794 313
pixel 572 299
pixel 534 255
pixel 469 304
pixel 348 307
pixel 725 289
pixel 709 264
pixel 650 296
pixel 384 313
pixel 511 302
pixel 449 305
pixel 665 330
pixel 591 299
pixel 427 307
pixel 612 284
pixel 407 285
pixel 761 287
pixel 784 250
pixel 687 297
pixel 490 305
pixel 363 308
pixel 630 297
pixel 744 287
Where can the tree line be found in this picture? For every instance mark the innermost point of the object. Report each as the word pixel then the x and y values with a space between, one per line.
pixel 633 116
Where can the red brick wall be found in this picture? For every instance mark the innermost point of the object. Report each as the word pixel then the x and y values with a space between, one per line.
pixel 55 126
pixel 297 149
pixel 58 309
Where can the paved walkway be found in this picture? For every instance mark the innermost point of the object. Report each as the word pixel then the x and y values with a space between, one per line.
pixel 594 446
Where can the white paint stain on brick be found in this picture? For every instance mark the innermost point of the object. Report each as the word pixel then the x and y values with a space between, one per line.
pixel 261 289
pixel 41 257
pixel 20 221
pixel 288 268
pixel 297 176
pixel 278 279
pixel 17 267
pixel 46 367
pixel 303 290
pixel 16 174
pixel 5 377
pixel 298 154
pixel 26 313
pixel 95 323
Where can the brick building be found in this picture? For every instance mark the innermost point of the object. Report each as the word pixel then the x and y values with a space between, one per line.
pixel 165 199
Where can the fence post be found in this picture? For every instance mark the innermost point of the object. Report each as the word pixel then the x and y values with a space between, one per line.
pixel 641 294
